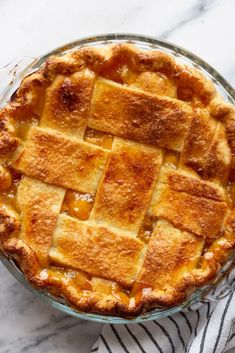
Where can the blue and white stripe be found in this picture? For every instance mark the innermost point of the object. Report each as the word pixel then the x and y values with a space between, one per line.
pixel 206 329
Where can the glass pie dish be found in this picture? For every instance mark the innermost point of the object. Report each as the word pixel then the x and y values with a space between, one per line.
pixel 12 75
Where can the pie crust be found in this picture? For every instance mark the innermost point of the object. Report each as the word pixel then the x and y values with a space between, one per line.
pixel 117 179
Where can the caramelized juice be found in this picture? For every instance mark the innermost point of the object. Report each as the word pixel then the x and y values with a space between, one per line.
pixel 107 287
pixel 184 93
pixel 23 127
pixel 122 297
pixel 5 179
pixel 77 204
pixel 120 294
pixel 171 159
pixel 99 138
pixel 9 187
pixel 146 228
pixel 231 193
pixel 137 292
pixel 128 76
pixel 79 280
pixel 115 71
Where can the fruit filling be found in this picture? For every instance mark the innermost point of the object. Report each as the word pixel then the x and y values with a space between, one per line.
pixel 77 204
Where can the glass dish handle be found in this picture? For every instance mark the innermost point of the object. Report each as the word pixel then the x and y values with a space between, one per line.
pixel 12 74
pixel 225 287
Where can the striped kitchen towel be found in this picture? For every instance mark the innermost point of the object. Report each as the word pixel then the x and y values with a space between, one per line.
pixel 206 328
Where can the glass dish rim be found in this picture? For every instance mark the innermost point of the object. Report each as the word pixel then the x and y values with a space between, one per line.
pixel 153 43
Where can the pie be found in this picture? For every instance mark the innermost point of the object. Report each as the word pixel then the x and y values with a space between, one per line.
pixel 117 179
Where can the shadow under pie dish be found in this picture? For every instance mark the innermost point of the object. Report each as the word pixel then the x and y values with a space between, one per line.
pixel 117 179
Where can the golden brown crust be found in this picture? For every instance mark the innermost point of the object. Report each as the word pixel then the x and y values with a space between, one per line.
pixel 226 113
pixel 139 116
pixel 67 103
pixel 8 140
pixel 154 83
pixel 25 257
pixel 40 205
pixel 150 98
pixel 171 255
pixel 96 250
pixel 196 187
pixel 140 61
pixel 126 188
pixel 206 148
pixel 198 215
pixel 55 158
pixel 217 254
pixel 198 138
pixel 28 99
pixel 218 158
pixel 9 222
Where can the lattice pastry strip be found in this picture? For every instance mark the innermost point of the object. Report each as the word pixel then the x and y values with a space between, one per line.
pixel 39 205
pixel 170 257
pixel 198 139
pixel 139 116
pixel 62 160
pixel 190 204
pixel 96 250
pixel 126 188
pixel 67 103
pixel 206 150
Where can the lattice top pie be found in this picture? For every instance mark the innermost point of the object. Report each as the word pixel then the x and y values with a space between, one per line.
pixel 117 179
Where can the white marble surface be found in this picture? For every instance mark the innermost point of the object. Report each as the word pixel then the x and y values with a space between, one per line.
pixel 30 28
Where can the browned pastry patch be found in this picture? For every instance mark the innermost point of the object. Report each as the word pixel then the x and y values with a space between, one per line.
pixel 195 214
pixel 8 140
pixel 9 222
pixel 198 139
pixel 139 116
pixel 171 255
pixel 196 187
pixel 96 250
pixel 28 99
pixel 67 103
pixel 127 185
pixel 40 205
pixel 55 158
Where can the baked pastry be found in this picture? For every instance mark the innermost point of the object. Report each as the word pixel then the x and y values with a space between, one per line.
pixel 116 178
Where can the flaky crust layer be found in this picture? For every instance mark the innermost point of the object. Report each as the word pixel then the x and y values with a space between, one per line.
pixel 191 86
